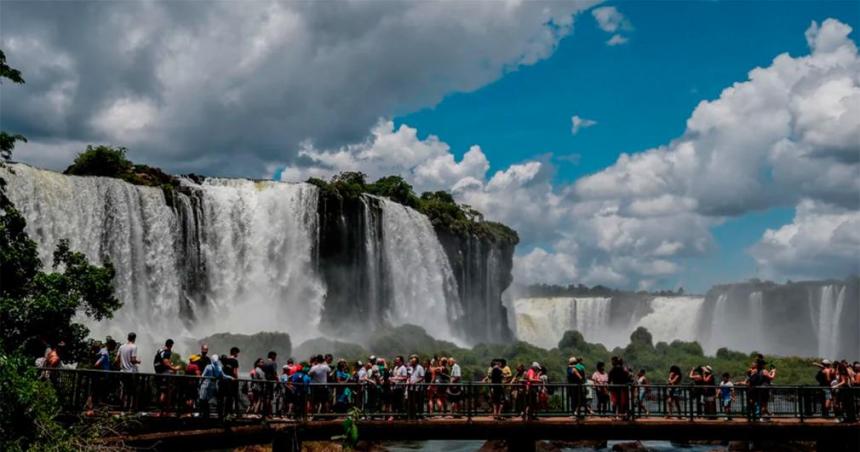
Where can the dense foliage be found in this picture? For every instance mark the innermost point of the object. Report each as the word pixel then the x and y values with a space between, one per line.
pixel 439 206
pixel 640 353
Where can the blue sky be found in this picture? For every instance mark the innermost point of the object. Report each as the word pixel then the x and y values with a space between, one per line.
pixel 640 93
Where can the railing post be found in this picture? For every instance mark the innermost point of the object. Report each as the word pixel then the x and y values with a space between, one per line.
pixel 800 405
pixel 691 402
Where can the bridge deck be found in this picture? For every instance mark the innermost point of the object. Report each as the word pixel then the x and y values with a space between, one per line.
pixel 189 434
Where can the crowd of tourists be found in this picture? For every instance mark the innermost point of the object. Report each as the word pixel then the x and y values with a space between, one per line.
pixel 411 387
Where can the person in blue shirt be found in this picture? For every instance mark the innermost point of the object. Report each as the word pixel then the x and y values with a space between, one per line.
pixel 299 385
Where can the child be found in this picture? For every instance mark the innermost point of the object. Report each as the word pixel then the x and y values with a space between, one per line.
pixel 727 394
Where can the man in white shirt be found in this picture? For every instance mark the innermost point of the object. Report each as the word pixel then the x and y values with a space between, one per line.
pixel 417 374
pixel 319 377
pixel 127 355
pixel 128 361
pixel 456 373
pixel 416 393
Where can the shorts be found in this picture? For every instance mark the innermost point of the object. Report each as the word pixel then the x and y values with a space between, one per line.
pixel 673 392
pixel 828 394
pixel 727 403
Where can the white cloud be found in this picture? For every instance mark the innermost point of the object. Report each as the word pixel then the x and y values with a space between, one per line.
pixel 577 124
pixel 428 164
pixel 823 241
pixel 616 40
pixel 610 20
pixel 231 88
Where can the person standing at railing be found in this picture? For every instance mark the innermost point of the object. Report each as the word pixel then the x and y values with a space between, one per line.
pixel 825 375
pixel 727 395
pixel 230 388
pixel 399 378
pixel 343 392
pixel 619 380
pixel 213 375
pixel 416 380
pixel 673 395
pixel 575 378
pixel 532 386
pixel 844 391
pixel 163 366
pixel 299 385
pixel 601 381
pixel 497 392
pixel 709 391
pixel 697 392
pixel 319 377
pixel 758 381
pixel 454 390
pixel 127 361
pixel 643 390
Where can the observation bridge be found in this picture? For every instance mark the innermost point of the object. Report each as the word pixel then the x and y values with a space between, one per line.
pixel 283 416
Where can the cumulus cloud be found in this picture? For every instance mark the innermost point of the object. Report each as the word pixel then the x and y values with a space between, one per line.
pixel 234 88
pixel 786 136
pixel 577 124
pixel 610 20
pixel 823 241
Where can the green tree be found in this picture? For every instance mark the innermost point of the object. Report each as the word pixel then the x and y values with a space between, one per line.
pixel 101 161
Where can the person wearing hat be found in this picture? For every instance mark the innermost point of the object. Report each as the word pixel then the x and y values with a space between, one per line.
pixel 825 376
pixel 532 382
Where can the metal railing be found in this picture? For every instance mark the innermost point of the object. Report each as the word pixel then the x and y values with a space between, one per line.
pixel 81 391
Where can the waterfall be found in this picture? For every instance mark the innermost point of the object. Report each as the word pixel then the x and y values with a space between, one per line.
pixel 227 255
pixel 258 252
pixel 543 321
pixel 673 318
pixel 831 304
pixel 109 220
pixel 755 320
pixel 591 317
pixel 423 287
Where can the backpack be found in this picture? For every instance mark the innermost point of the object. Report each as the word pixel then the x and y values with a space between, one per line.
pixel 821 379
pixel 157 361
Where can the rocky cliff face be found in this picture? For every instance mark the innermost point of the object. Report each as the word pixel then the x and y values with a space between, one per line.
pixel 457 277
pixel 483 268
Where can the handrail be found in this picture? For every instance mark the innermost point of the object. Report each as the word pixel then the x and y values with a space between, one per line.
pixel 83 390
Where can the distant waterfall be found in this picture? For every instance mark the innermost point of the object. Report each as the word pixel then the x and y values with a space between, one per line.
pixel 543 321
pixel 831 305
pixel 424 290
pixel 673 318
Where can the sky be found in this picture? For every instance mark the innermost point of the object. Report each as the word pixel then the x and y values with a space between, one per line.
pixel 632 144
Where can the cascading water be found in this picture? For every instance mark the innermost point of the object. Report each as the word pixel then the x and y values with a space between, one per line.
pixel 423 287
pixel 831 305
pixel 109 220
pixel 258 252
pixel 543 321
pixel 672 318
pixel 756 331
pixel 233 255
